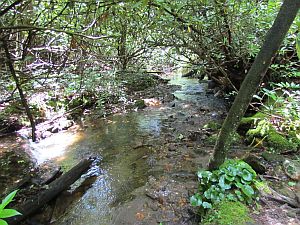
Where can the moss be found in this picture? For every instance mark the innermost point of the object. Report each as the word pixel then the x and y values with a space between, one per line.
pixel 253 119
pixel 235 138
pixel 295 137
pixel 260 130
pixel 279 143
pixel 272 157
pixel 228 213
pixel 272 139
pixel 262 186
pixel 139 82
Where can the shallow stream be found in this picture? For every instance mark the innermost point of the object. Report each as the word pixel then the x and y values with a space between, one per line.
pixel 121 142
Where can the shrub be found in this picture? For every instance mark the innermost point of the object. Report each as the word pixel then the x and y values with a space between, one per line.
pixel 233 181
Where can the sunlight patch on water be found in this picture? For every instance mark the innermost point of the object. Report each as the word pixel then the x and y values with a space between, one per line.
pixel 54 146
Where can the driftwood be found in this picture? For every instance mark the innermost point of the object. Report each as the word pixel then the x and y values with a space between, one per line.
pixel 56 187
pixel 275 196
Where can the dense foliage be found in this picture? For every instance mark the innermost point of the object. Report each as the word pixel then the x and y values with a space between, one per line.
pixel 61 51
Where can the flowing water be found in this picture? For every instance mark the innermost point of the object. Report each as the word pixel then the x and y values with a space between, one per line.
pixel 120 142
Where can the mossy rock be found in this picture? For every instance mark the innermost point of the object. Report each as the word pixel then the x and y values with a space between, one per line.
pixel 262 128
pixel 279 142
pixel 228 213
pixel 234 139
pixel 295 137
pixel 139 82
pixel 247 123
pixel 272 157
pixel 272 139
pixel 253 119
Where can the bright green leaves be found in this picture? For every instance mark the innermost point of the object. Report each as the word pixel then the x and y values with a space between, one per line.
pixel 235 180
pixel 246 175
pixel 5 213
pixel 298 45
pixel 7 200
pixel 207 205
pixel 2 222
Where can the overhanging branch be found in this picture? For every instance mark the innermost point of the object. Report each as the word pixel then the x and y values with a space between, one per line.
pixel 36 28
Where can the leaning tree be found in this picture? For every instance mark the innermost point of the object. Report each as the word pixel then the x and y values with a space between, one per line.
pixel 273 40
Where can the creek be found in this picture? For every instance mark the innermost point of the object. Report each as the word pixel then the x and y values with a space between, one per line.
pixel 125 145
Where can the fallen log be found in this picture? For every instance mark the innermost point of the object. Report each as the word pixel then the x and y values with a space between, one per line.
pixel 275 196
pixel 56 187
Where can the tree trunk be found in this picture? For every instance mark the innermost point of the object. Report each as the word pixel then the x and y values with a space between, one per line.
pixel 21 93
pixel 56 187
pixel 273 40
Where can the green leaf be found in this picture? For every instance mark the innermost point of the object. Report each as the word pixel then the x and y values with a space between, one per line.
pixel 239 195
pixel 3 222
pixel 196 200
pixel 231 197
pixel 229 178
pixel 5 213
pixel 298 45
pixel 257 97
pixel 204 176
pixel 246 175
pixel 248 190
pixel 222 183
pixel 8 199
pixel 292 184
pixel 207 205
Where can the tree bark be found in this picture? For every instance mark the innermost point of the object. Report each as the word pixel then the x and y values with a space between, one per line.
pixel 56 187
pixel 21 93
pixel 273 40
